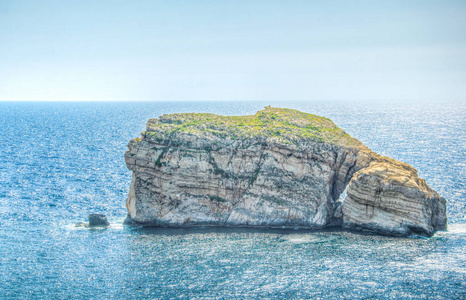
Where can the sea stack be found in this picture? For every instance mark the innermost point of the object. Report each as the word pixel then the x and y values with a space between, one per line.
pixel 277 168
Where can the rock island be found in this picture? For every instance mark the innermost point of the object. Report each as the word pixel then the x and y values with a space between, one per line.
pixel 277 168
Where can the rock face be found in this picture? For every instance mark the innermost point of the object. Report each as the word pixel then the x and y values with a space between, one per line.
pixel 280 167
pixel 388 197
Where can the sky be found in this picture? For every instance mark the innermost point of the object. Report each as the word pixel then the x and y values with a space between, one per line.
pixel 99 50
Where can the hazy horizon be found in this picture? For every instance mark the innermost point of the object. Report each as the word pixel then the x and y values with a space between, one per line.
pixel 232 51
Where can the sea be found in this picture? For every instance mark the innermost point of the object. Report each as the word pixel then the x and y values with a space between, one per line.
pixel 61 161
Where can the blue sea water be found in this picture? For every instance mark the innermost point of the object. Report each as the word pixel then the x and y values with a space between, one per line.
pixel 61 161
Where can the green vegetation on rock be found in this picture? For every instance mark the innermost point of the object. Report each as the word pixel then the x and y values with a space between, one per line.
pixel 279 125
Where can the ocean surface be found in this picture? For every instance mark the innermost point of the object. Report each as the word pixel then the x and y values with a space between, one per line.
pixel 61 161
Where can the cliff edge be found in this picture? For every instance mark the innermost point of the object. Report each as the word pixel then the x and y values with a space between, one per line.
pixel 279 167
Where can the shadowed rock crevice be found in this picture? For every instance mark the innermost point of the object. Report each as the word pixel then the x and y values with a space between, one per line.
pixel 280 167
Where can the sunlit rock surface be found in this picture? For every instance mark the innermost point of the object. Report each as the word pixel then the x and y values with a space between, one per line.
pixel 389 197
pixel 280 167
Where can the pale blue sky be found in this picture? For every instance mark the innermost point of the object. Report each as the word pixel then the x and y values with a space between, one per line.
pixel 232 50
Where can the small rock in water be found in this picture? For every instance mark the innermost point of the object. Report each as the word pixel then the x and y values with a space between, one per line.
pixel 81 224
pixel 98 220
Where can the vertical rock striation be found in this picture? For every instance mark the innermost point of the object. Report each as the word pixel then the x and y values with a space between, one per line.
pixel 280 167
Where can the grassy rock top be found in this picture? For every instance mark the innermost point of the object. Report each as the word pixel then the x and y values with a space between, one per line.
pixel 280 125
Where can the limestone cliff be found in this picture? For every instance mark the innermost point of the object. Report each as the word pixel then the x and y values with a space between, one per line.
pixel 279 167
pixel 389 197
